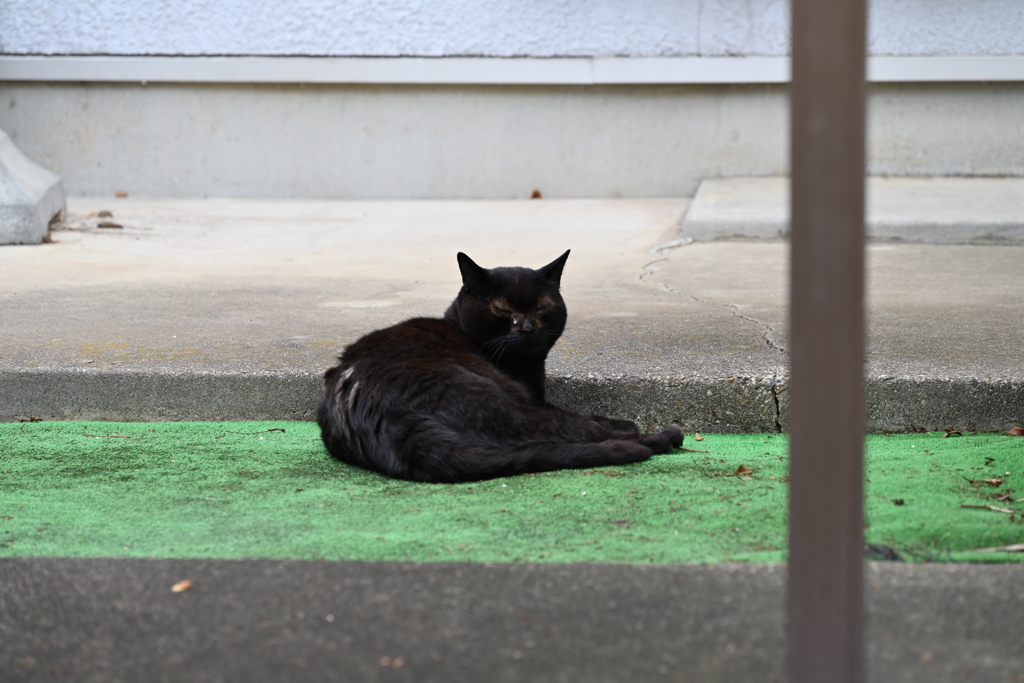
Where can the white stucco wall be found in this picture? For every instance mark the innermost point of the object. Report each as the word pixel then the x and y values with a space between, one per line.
pixel 491 28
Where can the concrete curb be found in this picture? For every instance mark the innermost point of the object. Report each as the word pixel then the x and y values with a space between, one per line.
pixel 132 396
pixel 715 405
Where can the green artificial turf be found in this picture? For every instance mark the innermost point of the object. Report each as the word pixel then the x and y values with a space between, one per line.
pixel 268 489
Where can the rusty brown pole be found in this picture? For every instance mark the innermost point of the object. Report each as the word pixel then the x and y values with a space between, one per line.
pixel 827 99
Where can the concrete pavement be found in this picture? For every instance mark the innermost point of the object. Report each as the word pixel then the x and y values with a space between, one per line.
pixel 221 309
pixel 231 309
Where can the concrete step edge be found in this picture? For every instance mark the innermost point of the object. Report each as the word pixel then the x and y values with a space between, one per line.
pixel 736 404
pixel 930 210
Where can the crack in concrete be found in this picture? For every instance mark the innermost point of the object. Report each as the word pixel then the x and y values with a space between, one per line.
pixel 649 269
pixel 735 311
pixel 768 330
pixel 776 378
pixel 674 244
pixel 777 409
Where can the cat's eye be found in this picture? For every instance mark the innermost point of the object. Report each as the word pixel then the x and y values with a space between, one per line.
pixel 499 309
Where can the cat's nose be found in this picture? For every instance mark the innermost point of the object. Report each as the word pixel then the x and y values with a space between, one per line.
pixel 527 325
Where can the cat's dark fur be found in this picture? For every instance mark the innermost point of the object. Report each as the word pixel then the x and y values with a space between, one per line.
pixel 462 398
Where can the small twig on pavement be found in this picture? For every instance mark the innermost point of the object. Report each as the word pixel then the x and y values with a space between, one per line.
pixel 1016 547
pixel 275 429
pixel 1007 511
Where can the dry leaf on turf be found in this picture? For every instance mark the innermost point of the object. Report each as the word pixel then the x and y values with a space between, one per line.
pixel 743 470
pixel 1016 431
pixel 697 437
pixel 181 586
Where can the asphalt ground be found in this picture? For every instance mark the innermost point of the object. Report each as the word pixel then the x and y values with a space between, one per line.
pixel 261 620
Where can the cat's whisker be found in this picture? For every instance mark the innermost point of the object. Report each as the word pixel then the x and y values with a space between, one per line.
pixel 501 344
pixel 493 345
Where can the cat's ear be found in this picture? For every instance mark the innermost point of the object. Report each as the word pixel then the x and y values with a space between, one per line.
pixel 553 271
pixel 474 277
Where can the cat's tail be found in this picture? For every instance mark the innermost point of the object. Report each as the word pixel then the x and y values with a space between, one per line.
pixel 342 427
pixel 438 456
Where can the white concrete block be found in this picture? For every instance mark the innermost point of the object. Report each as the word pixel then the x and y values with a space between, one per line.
pixel 926 210
pixel 29 196
pixel 739 207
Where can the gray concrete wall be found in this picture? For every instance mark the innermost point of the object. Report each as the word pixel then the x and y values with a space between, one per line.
pixel 395 141
pixel 964 129
pixel 358 141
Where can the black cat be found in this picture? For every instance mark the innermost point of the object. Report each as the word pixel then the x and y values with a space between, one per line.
pixel 462 398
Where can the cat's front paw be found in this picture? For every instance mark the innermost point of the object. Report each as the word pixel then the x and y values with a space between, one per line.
pixel 616 425
pixel 675 435
pixel 663 441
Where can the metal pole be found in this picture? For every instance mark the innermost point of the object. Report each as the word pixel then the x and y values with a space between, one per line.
pixel 825 614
